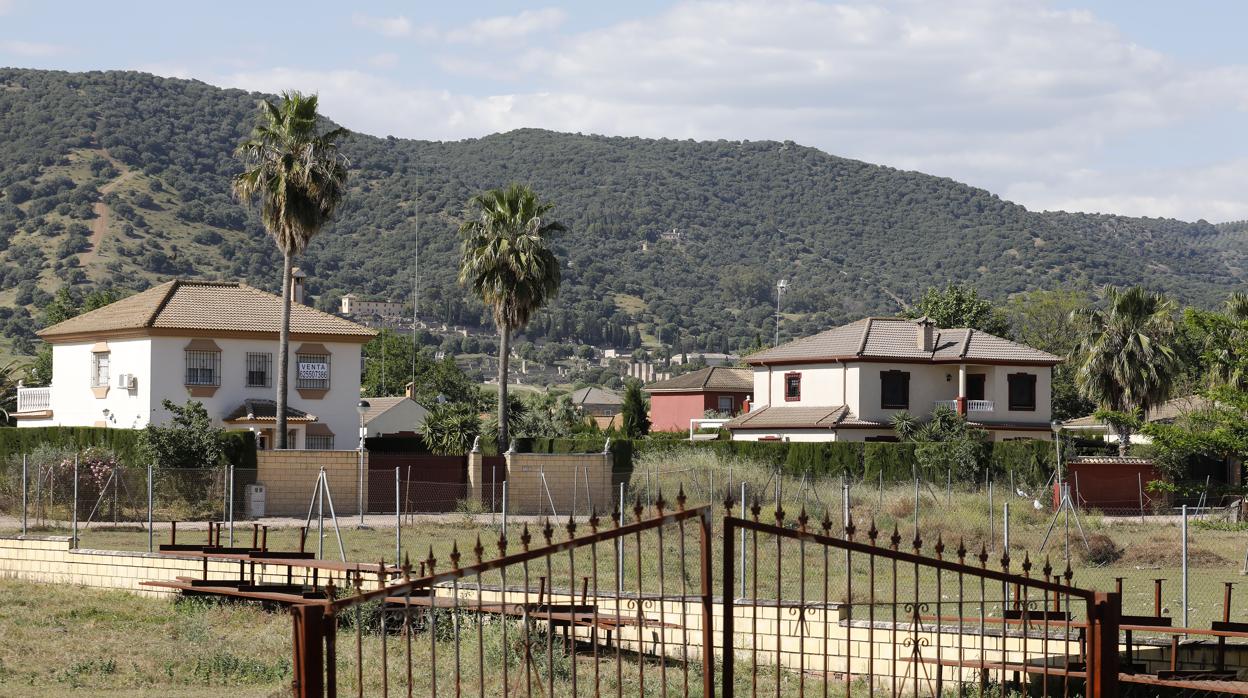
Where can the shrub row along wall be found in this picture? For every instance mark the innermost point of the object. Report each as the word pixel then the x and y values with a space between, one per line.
pixel 240 446
pixel 1029 460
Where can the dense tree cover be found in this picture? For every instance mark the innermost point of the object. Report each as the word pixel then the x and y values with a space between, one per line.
pixel 852 238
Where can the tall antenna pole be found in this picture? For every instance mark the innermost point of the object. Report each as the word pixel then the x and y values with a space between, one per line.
pixel 781 286
pixel 416 287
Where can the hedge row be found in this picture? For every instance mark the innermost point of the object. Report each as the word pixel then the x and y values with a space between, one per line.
pixel 240 446
pixel 1029 460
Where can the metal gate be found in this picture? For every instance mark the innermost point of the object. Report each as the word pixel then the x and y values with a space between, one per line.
pixel 627 608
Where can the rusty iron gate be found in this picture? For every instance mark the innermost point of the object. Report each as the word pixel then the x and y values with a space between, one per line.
pixel 627 608
pixel 882 620
pixel 586 607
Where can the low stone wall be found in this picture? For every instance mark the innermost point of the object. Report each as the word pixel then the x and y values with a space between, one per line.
pixel 572 482
pixel 289 478
pixel 51 560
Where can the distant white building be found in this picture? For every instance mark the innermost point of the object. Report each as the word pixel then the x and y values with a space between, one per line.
pixel 393 416
pixel 845 384
pixel 207 341
pixel 354 306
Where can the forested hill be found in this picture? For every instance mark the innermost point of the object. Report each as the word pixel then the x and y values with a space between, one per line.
pixel 123 178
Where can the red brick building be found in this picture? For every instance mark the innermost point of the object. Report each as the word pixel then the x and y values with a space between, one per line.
pixel 675 401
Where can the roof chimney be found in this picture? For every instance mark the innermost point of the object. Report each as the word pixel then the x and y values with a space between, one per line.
pixel 296 285
pixel 926 334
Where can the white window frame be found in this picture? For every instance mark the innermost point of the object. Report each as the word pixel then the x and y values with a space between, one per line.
pixel 98 359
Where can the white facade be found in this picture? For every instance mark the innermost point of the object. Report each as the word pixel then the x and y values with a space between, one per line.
pixel 857 385
pixel 353 305
pixel 404 416
pixel 158 367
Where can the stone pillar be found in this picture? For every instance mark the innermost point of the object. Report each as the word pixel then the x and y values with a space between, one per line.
pixel 476 467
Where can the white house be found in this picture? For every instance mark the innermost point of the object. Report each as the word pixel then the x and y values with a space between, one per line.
pixel 845 384
pixel 387 416
pixel 213 342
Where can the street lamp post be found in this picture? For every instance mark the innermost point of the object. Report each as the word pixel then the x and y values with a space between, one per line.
pixel 1057 444
pixel 781 286
pixel 361 408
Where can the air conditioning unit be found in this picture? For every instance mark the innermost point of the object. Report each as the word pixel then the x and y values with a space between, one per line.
pixel 127 381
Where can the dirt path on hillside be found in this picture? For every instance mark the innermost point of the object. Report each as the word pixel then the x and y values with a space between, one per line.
pixel 99 226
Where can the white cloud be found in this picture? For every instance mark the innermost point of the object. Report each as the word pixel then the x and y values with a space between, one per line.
pixel 508 28
pixel 393 27
pixel 30 49
pixel 384 61
pixel 1011 96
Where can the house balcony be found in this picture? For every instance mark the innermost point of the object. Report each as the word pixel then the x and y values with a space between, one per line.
pixel 971 405
pixel 34 399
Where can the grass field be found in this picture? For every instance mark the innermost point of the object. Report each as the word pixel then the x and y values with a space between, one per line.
pixel 1118 546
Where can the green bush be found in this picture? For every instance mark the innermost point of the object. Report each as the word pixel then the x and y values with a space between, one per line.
pixel 240 446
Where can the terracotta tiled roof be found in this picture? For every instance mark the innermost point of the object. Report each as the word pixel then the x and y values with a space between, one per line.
pixel 1167 411
pixel 897 338
pixel 595 396
pixel 205 305
pixel 773 417
pixel 710 378
pixel 265 411
pixel 378 406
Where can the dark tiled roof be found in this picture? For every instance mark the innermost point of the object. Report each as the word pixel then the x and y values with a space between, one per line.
pixel 265 411
pixel 773 417
pixel 1167 411
pixel 205 305
pixel 378 406
pixel 596 396
pixel 739 380
pixel 897 338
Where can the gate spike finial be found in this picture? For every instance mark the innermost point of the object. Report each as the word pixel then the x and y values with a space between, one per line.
pixel 680 497
pixel 454 555
pixel 1026 564
pixel 547 530
pixel 826 523
pixel 1048 567
pixel 526 537
pixel 728 502
pixel 849 527
pixel 407 567
pixel 756 509
pixel 593 520
pixel 895 539
pixel 961 549
pixel 571 527
pixel 940 546
pixel 983 556
pixel 873 533
pixel 502 545
pixel 638 509
pixel 478 550
pixel 659 503
pixel 430 561
pixel 802 519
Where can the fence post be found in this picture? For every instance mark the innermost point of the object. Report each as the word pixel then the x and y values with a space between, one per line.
pixel 1104 615
pixel 75 505
pixel 308 639
pixel 398 521
pixel 1184 529
pixel 231 512
pixel 23 494
pixel 743 542
pixel 1139 477
pixel 727 612
pixel 708 607
pixel 149 508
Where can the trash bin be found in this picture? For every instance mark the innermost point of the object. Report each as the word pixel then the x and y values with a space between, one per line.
pixel 255 501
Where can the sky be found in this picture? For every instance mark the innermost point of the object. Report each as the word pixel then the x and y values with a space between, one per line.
pixel 1118 106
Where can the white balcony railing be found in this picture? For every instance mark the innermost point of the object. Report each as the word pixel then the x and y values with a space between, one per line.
pixel 34 399
pixel 971 405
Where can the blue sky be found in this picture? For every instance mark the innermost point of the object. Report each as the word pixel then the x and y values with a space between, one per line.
pixel 1130 106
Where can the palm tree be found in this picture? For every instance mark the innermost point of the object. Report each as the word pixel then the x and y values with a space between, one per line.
pixel 299 178
pixel 1127 363
pixel 506 260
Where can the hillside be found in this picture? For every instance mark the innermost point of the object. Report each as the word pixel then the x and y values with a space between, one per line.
pixel 121 178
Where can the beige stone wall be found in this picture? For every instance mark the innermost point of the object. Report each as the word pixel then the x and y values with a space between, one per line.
pixel 51 560
pixel 289 478
pixel 534 480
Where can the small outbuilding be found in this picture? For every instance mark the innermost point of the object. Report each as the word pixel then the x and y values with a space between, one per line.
pixel 675 401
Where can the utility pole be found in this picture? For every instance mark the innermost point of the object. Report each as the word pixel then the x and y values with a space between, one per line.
pixel 781 286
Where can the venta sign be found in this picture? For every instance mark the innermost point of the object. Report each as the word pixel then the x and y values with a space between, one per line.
pixel 314 370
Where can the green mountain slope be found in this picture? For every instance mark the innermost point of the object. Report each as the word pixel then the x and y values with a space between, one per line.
pixel 121 178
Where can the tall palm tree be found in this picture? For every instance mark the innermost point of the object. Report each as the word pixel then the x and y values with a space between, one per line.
pixel 1127 363
pixel 506 260
pixel 299 178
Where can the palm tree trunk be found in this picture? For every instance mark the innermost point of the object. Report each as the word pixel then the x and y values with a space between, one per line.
pixel 1124 440
pixel 504 356
pixel 283 353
